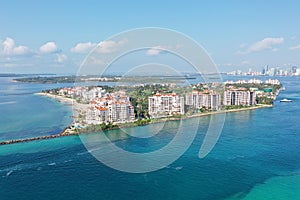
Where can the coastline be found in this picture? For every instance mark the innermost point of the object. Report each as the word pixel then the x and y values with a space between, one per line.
pixel 77 109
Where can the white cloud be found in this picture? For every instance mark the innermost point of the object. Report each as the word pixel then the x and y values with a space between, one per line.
pixel 9 48
pixel 110 46
pixel 295 47
pixel 49 47
pixel 83 47
pixel 154 51
pixel 61 58
pixel 265 44
pixel 95 61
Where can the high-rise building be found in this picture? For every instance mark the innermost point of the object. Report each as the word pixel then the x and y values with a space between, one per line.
pixel 263 72
pixel 272 72
pixel 114 107
pixel 244 98
pixel 204 100
pixel 297 72
pixel 120 112
pixel 294 69
pixel 165 105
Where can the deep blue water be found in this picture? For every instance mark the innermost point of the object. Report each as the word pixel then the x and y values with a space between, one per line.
pixel 257 156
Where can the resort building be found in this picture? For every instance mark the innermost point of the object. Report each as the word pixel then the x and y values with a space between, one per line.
pixel 209 100
pixel 165 105
pixel 114 107
pixel 244 98
pixel 96 92
pixel 120 112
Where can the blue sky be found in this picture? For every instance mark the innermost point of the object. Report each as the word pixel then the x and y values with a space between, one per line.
pixel 41 36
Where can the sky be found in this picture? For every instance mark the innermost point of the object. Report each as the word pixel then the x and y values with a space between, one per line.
pixel 56 36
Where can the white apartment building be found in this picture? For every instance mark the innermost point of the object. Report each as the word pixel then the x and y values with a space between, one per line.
pixel 204 100
pixel 245 98
pixel 82 92
pixel 96 92
pixel 165 105
pixel 97 115
pixel 120 112
pixel 114 107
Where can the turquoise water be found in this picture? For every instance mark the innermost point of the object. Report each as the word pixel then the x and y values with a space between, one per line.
pixel 24 114
pixel 256 157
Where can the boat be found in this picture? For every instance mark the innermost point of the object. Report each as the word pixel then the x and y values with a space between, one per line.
pixel 285 100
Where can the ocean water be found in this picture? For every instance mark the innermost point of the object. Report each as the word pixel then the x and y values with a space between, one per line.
pixel 257 156
pixel 24 114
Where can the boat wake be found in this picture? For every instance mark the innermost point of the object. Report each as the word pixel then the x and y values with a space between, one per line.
pixel 9 173
pixel 8 102
pixel 52 164
pixel 178 168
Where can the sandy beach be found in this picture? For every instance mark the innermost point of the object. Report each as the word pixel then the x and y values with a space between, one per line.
pixel 78 108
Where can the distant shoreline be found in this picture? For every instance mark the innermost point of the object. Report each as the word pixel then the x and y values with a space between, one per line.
pixel 76 107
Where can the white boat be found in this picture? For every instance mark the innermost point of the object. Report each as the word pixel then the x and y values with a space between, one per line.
pixel 285 100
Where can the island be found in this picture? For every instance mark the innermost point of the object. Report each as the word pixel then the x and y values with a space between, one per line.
pixel 98 108
pixel 43 79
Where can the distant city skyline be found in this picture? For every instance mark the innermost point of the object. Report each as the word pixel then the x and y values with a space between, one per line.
pixel 55 36
pixel 268 71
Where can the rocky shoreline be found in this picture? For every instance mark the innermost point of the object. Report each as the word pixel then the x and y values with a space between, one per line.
pixel 63 133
